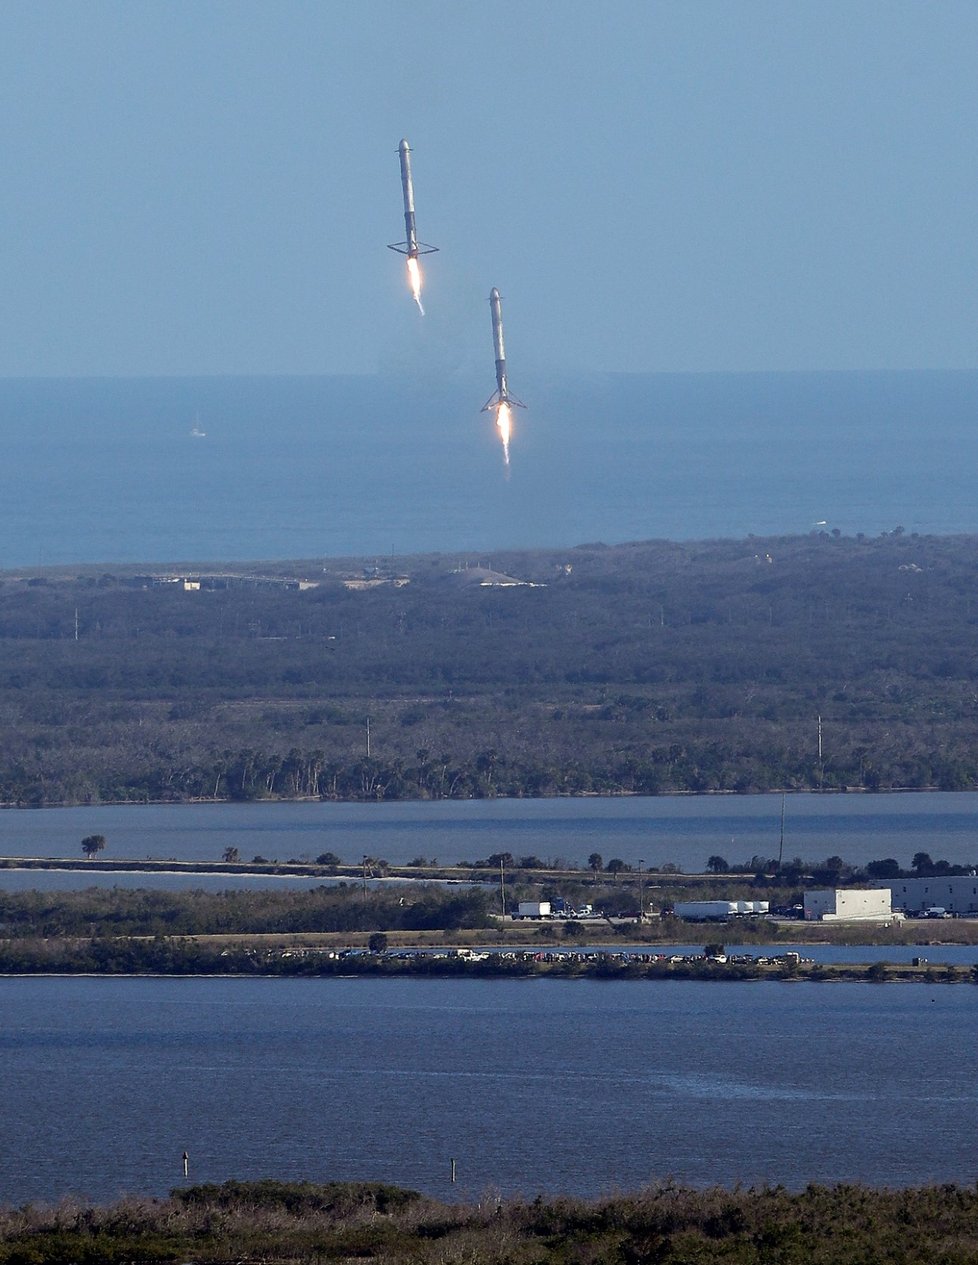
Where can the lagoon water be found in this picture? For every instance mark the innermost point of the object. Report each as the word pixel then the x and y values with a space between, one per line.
pixel 107 470
pixel 531 1086
pixel 681 830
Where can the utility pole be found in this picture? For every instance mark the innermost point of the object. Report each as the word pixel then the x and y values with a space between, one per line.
pixel 368 737
pixel 502 886
pixel 641 893
pixel 781 845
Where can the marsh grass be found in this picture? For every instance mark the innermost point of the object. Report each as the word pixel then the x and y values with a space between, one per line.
pixel 308 1224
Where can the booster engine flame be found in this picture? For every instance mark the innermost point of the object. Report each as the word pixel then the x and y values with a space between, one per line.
pixel 504 424
pixel 414 281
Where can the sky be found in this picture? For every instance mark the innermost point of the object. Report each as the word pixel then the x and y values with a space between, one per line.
pixel 208 186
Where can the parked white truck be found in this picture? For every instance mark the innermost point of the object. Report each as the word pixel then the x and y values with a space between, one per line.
pixel 533 909
pixel 720 910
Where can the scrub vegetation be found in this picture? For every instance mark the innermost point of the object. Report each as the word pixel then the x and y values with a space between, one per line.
pixel 421 929
pixel 645 668
pixel 301 1222
pixel 324 910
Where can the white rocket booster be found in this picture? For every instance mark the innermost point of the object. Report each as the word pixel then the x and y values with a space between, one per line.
pixel 410 246
pixel 501 395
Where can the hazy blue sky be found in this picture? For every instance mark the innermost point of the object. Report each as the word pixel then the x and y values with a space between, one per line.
pixel 209 186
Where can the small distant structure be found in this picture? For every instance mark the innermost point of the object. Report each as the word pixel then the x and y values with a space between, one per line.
pixel 220 581
pixel 362 583
pixel 842 904
pixel 487 578
pixel 188 583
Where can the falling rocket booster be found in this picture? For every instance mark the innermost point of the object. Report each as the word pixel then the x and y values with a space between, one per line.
pixel 410 246
pixel 502 394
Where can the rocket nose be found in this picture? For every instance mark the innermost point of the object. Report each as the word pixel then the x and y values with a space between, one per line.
pixel 404 147
pixel 493 295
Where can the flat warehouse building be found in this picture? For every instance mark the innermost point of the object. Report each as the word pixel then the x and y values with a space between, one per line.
pixel 958 894
pixel 847 904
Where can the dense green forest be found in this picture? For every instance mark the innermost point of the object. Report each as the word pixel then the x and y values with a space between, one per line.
pixel 299 1222
pixel 806 662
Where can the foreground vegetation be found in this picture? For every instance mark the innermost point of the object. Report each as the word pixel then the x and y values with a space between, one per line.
pixel 303 1223
pixel 645 668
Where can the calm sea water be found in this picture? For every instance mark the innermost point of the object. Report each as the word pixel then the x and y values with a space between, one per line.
pixel 106 470
pixel 683 830
pixel 531 1086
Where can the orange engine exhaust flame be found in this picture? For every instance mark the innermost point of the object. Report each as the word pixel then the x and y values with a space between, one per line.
pixel 504 424
pixel 414 281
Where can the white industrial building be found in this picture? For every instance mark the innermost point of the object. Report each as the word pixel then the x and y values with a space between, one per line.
pixel 848 904
pixel 958 894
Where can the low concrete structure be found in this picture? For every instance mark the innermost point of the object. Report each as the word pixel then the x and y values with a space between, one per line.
pixel 840 904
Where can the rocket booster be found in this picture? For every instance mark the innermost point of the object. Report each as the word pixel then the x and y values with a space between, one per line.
pixel 501 395
pixel 410 246
pixel 407 187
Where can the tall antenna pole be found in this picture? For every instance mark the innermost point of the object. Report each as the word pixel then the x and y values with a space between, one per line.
pixel 781 846
pixel 368 737
pixel 502 886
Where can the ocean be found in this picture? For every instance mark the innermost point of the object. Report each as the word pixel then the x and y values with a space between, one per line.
pixel 108 470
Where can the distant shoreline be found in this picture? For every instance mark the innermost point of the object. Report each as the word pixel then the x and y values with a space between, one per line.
pixel 243 958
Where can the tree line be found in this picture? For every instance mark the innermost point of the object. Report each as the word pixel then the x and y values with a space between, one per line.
pixel 814 662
